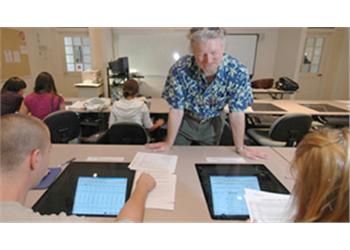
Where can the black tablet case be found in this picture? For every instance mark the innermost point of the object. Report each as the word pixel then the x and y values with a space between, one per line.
pixel 60 195
pixel 267 182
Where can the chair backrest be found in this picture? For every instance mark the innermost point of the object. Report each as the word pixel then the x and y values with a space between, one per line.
pixel 290 128
pixel 127 133
pixel 63 125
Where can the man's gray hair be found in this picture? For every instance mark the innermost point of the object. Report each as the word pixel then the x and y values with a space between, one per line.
pixel 205 34
pixel 20 135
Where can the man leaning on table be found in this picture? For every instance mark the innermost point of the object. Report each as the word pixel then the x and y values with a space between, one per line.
pixel 25 149
pixel 199 86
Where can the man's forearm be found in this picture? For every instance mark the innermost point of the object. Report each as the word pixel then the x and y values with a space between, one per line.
pixel 174 122
pixel 237 122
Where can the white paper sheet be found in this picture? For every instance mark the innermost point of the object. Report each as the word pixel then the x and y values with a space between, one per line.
pixel 154 162
pixel 16 56
pixel 105 159
pixel 226 160
pixel 268 207
pixel 163 195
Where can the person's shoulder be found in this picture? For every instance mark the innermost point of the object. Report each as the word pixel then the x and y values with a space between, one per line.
pixel 30 96
pixel 231 62
pixel 10 94
pixel 59 97
pixel 12 211
pixel 144 107
pixel 183 63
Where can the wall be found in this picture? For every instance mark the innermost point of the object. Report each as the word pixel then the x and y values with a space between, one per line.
pixel 279 53
pixel 288 53
pixel 332 81
pixel 337 73
pixel 46 53
pixel 267 46
pixel 44 56
pixel 101 51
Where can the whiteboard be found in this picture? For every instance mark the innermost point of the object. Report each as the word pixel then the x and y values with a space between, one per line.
pixel 244 48
pixel 152 54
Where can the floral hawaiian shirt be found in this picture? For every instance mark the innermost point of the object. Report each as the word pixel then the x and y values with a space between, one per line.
pixel 186 88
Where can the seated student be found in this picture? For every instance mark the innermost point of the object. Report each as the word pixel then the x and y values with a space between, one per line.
pixel 131 109
pixel 321 164
pixel 12 95
pixel 44 100
pixel 25 148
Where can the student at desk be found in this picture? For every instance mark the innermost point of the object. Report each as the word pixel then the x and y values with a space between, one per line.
pixel 321 163
pixel 44 100
pixel 132 109
pixel 12 95
pixel 25 148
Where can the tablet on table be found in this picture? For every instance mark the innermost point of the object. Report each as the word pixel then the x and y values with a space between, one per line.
pixel 223 187
pixel 89 189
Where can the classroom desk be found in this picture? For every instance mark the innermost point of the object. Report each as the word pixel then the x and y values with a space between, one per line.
pixel 160 106
pixel 190 205
pixel 274 93
pixel 157 105
pixel 294 106
pixel 286 152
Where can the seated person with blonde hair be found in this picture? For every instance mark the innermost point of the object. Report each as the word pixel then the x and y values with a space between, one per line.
pixel 132 109
pixel 321 164
pixel 25 149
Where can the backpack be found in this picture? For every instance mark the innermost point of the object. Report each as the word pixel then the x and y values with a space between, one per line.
pixel 285 83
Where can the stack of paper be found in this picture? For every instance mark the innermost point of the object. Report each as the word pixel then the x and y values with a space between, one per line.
pixel 91 76
pixel 162 168
pixel 268 207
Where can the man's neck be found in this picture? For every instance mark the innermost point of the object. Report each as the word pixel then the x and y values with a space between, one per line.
pixel 13 188
pixel 130 98
pixel 210 78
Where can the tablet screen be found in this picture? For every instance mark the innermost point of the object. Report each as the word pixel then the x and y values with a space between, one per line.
pixel 99 196
pixel 223 187
pixel 228 193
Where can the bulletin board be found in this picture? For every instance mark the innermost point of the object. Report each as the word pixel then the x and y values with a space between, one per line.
pixel 14 53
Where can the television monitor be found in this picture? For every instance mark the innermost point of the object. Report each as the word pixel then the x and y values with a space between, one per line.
pixel 120 67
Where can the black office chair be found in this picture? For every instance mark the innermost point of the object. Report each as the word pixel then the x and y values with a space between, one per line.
pixel 64 126
pixel 334 121
pixel 125 133
pixel 286 131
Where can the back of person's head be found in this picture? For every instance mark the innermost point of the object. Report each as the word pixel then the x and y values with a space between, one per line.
pixel 44 83
pixel 20 135
pixel 13 84
pixel 321 164
pixel 130 88
pixel 203 34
